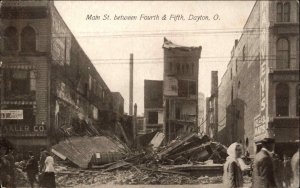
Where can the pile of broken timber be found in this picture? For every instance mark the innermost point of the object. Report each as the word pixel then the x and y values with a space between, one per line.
pixel 182 156
pixel 192 149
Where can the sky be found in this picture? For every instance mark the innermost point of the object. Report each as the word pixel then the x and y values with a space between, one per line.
pixel 108 43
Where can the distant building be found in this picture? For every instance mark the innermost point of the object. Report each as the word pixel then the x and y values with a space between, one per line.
pixel 212 108
pixel 153 105
pixel 181 66
pixel 201 113
pixel 259 93
pixel 49 86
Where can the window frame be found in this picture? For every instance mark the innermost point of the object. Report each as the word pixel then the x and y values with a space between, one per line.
pixel 282 100
pixel 8 40
pixel 282 50
pixel 29 42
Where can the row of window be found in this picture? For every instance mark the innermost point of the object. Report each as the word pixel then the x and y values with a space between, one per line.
pixel 283 12
pixel 282 100
pixel 28 39
pixel 282 55
pixel 182 68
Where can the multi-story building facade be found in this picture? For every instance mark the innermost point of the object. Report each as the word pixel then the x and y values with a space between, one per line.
pixel 259 93
pixel 49 85
pixel 153 105
pixel 181 66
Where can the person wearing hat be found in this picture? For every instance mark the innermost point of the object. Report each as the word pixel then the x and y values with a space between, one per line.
pixel 263 169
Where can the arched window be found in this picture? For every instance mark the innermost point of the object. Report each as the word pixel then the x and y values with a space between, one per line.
pixel 10 39
pixel 178 68
pixel 187 68
pixel 286 12
pixel 282 99
pixel 283 58
pixel 171 66
pixel 28 39
pixel 279 12
pixel 182 68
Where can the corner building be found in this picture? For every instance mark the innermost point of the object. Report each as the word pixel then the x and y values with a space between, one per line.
pixel 259 92
pixel 49 86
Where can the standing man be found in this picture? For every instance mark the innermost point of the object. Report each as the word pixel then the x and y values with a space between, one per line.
pixel 263 170
pixel 10 157
pixel 32 169
pixel 43 156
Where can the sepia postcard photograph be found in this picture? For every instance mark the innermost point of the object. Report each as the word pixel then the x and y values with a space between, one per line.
pixel 145 94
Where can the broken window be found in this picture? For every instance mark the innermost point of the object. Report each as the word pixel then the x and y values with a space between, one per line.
pixel 153 117
pixel 28 40
pixel 183 88
pixel 192 88
pixel 18 82
pixel 10 39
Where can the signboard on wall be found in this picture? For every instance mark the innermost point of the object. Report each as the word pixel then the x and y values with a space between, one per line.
pixel 11 114
pixel 170 86
pixel 260 129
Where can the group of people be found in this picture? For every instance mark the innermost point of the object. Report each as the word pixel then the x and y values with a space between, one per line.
pixel 268 170
pixel 38 172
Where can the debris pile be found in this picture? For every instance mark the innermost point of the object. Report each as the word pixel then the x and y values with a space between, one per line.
pixel 188 160
pixel 70 177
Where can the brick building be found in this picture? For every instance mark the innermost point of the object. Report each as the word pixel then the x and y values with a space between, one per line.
pixel 259 93
pixel 181 66
pixel 153 105
pixel 47 78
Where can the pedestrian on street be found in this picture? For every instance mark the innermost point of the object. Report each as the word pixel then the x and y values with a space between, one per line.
pixel 32 169
pixel 11 159
pixel 295 169
pixel 49 176
pixel 287 171
pixel 263 170
pixel 233 175
pixel 278 170
pixel 42 159
pixel 4 168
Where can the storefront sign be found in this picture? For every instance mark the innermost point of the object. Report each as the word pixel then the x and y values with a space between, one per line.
pixel 11 114
pixel 170 86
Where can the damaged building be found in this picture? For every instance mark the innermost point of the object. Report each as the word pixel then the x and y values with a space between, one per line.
pixel 50 88
pixel 180 95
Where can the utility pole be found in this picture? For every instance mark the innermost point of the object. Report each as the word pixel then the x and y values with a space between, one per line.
pixel 131 85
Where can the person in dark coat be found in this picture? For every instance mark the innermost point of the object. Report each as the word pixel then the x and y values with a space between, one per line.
pixel 43 156
pixel 32 169
pixel 11 159
pixel 263 169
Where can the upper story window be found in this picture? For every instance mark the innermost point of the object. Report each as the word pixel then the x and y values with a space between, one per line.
pixel 283 12
pixel 282 99
pixel 28 39
pixel 10 39
pixel 282 54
